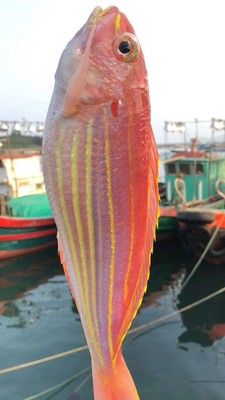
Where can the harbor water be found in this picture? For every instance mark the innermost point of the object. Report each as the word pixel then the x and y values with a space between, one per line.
pixel 181 358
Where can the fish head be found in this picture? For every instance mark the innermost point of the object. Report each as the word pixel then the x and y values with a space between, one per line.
pixel 102 62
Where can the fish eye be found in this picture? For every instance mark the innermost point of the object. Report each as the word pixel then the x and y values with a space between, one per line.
pixel 126 47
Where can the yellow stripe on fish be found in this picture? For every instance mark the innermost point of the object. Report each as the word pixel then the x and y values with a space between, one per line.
pixel 117 24
pixel 81 241
pixel 83 283
pixel 90 220
pixel 59 170
pixel 132 210
pixel 112 229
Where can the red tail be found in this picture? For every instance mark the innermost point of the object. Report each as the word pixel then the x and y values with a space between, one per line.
pixel 114 382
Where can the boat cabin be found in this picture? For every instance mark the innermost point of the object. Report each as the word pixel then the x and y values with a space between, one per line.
pixel 21 173
pixel 199 171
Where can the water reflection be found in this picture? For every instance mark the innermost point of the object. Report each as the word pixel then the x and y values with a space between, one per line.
pixel 205 323
pixel 35 296
pixel 22 274
pixel 167 274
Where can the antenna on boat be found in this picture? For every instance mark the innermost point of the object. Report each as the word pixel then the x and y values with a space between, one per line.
pixel 217 125
pixel 196 128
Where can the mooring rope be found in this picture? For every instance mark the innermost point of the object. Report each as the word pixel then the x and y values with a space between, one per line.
pixel 133 330
pixel 60 385
pixel 83 383
pixel 43 360
pixel 167 316
pixel 213 237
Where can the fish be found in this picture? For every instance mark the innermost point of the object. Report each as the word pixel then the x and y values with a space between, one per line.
pixel 100 166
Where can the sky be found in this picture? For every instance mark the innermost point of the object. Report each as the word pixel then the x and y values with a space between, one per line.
pixel 182 41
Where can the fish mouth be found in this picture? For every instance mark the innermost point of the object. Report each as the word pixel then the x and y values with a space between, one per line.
pixel 76 84
pixel 98 12
pixel 109 10
pixel 77 81
pixel 94 15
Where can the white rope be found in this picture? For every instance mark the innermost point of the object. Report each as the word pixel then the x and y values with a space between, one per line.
pixel 43 360
pixel 196 303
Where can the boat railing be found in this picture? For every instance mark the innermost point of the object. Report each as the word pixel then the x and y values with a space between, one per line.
pixel 179 194
pixel 218 185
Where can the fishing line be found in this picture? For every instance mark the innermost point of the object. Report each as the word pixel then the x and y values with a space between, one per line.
pixel 133 330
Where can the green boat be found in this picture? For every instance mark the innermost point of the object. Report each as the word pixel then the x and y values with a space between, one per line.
pixel 26 226
pixel 190 181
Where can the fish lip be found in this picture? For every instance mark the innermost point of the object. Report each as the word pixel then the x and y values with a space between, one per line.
pixel 98 12
pixel 109 10
pixel 94 15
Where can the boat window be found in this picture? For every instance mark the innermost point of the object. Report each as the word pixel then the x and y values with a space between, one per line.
pixel 171 168
pixel 184 168
pixel 199 169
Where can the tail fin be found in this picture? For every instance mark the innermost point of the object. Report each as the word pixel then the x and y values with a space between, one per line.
pixel 114 382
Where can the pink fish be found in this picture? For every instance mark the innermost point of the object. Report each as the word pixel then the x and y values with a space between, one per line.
pixel 100 166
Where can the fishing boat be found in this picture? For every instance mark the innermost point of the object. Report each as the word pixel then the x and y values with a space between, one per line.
pixel 191 181
pixel 26 225
pixel 202 230
pixel 21 172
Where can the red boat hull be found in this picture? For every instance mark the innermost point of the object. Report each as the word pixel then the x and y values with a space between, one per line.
pixel 19 236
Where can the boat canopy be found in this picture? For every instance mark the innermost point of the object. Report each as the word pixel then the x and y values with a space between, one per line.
pixel 32 206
